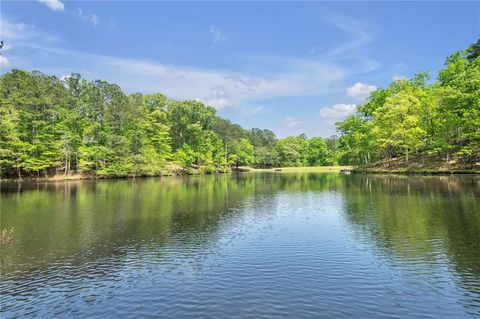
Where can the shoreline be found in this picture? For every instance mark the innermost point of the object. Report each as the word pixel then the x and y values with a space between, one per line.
pixel 90 178
pixel 415 172
pixel 315 169
pixel 242 169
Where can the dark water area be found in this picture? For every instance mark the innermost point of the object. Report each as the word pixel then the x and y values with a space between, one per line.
pixel 243 246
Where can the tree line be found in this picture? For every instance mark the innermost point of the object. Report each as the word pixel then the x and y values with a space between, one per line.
pixel 51 126
pixel 413 117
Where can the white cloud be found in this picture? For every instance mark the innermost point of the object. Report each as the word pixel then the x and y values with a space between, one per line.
pixel 13 30
pixel 399 77
pixel 291 122
pixel 217 35
pixel 4 62
pixel 88 16
pixel 360 33
pixel 360 91
pixel 337 111
pixel 218 98
pixel 218 88
pixel 21 34
pixel 55 5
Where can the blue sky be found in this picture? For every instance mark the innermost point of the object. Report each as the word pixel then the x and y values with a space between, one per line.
pixel 292 67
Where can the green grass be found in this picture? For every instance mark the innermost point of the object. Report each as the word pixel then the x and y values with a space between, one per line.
pixel 316 169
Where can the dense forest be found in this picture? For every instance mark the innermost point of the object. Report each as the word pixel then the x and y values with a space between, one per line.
pixel 412 118
pixel 52 126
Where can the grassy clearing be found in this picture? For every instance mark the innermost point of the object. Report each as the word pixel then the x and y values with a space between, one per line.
pixel 316 169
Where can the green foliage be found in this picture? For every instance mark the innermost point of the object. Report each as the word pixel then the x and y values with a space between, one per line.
pixel 473 51
pixel 266 156
pixel 240 152
pixel 261 138
pixel 229 131
pixel 292 151
pixel 317 153
pixel 263 142
pixel 414 117
pixel 207 169
pixel 185 156
pixel 334 152
pixel 189 120
pixel 51 126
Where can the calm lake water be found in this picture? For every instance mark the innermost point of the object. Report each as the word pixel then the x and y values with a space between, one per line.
pixel 243 246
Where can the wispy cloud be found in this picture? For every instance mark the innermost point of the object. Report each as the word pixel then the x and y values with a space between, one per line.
pixel 291 122
pixel 218 97
pixel 337 111
pixel 359 34
pixel 4 62
pixel 360 91
pixel 331 114
pixel 13 30
pixel 353 51
pixel 217 35
pixel 219 88
pixel 18 33
pixel 399 77
pixel 55 5
pixel 86 15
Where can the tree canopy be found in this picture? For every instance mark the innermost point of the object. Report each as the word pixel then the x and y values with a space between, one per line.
pixel 417 117
pixel 74 126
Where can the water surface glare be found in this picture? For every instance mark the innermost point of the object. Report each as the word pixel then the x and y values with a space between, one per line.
pixel 243 246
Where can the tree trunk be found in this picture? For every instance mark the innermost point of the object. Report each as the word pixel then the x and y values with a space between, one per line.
pixel 76 162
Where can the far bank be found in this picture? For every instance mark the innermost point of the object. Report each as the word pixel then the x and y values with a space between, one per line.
pixel 189 171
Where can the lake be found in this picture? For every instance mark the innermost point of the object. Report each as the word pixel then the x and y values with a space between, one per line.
pixel 270 245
